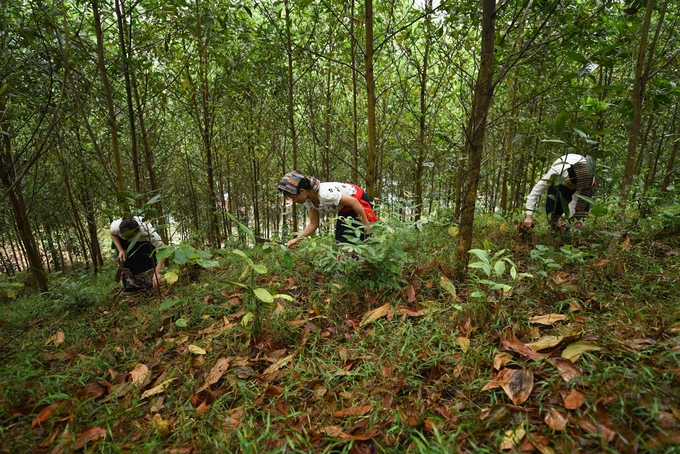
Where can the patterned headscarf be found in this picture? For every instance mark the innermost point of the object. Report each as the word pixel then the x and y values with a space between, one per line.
pixel 291 181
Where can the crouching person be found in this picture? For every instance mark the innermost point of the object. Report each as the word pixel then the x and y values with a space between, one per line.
pixel 140 268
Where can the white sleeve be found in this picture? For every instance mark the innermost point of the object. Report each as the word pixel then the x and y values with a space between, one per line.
pixel 154 237
pixel 115 227
pixel 559 167
pixel 539 189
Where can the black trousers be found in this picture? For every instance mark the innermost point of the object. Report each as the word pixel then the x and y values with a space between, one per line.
pixel 347 224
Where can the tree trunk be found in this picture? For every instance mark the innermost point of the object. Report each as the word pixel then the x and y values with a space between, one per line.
pixel 422 124
pixel 371 153
pixel 126 58
pixel 637 97
pixel 291 102
pixel 19 211
pixel 355 91
pixel 113 127
pixel 474 133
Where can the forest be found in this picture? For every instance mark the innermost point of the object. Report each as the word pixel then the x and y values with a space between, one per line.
pixel 453 328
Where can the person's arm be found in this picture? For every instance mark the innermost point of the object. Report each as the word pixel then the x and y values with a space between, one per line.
pixel 311 228
pixel 532 199
pixel 156 278
pixel 122 254
pixel 349 201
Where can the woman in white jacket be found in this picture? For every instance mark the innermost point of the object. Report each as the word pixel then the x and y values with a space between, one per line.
pixel 567 179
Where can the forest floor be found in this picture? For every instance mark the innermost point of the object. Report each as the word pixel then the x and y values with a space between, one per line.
pixel 581 356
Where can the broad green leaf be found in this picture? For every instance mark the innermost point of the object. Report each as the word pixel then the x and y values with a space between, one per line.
pixel 447 285
pixel 242 254
pixel 482 255
pixel 287 260
pixel 182 323
pixel 183 254
pixel 575 350
pixel 208 263
pixel 167 304
pixel 164 252
pixel 246 318
pixel 259 269
pixel 599 211
pixel 263 295
pixel 499 268
pixel 513 272
pixel 154 199
pixel 283 296
pixel 477 294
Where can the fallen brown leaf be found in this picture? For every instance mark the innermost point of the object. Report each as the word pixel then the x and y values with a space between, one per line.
pixel 463 343
pixel 555 420
pixel 161 425
pixel 566 368
pixel 56 339
pixel 278 365
pixel 44 414
pixel 375 314
pixel 216 372
pixel 548 319
pixel 545 342
pixel 158 389
pixel 574 400
pixel 512 438
pixel 517 384
pixel 91 434
pixel 358 410
pixel 411 295
pixel 500 360
pixel 510 342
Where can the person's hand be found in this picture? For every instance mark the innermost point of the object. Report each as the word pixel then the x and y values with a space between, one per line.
pixel 122 256
pixel 292 244
pixel 156 279
pixel 528 221
pixel 367 227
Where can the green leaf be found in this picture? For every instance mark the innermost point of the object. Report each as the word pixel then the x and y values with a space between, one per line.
pixel 164 252
pixel 499 268
pixel 183 254
pixel 447 285
pixel 599 211
pixel 482 255
pixel 208 263
pixel 242 254
pixel 259 268
pixel 246 318
pixel 263 295
pixel 578 57
pixel 182 323
pixel 287 260
pixel 477 294
pixel 167 304
pixel 283 296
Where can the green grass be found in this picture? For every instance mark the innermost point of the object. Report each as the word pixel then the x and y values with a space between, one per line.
pixel 406 382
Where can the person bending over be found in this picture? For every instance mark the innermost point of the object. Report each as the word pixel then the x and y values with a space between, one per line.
pixel 140 269
pixel 568 177
pixel 351 202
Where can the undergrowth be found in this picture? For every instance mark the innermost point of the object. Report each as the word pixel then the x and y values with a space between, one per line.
pixel 404 363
